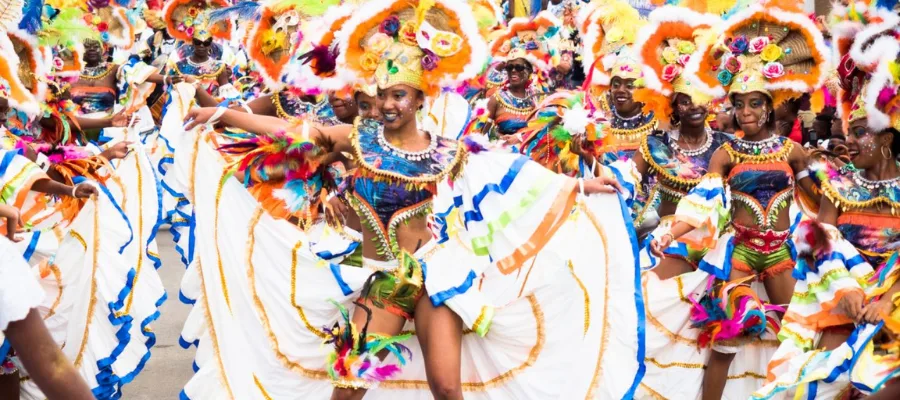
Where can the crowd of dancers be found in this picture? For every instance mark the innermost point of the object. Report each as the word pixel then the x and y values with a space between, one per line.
pixel 414 199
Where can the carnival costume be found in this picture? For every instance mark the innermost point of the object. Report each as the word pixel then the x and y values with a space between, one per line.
pixel 732 317
pixel 859 253
pixel 541 328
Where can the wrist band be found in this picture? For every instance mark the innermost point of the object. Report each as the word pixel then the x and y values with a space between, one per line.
pixel 74 188
pixel 218 114
pixel 802 174
pixel 247 108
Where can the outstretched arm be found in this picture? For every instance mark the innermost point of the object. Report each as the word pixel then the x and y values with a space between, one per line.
pixel 46 364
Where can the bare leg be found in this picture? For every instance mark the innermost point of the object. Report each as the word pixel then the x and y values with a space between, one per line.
pixel 439 331
pixel 47 365
pixel 834 336
pixel 383 323
pixel 780 287
pixel 671 267
pixel 9 386
pixel 891 391
pixel 716 373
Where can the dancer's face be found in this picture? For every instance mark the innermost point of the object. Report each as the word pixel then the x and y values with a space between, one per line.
pixel 865 147
pixel 93 51
pixel 344 107
pixel 518 72
pixel 690 114
pixel 398 105
pixel 752 112
pixel 202 48
pixel 723 121
pixel 621 92
pixel 368 106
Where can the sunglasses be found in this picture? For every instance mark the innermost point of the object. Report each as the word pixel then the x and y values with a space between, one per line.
pixel 205 43
pixel 515 68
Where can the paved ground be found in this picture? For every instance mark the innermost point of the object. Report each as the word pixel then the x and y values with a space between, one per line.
pixel 169 367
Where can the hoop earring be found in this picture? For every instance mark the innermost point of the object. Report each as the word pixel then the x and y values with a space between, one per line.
pixel 889 155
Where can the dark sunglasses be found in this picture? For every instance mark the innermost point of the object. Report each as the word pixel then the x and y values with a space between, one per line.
pixel 515 68
pixel 205 43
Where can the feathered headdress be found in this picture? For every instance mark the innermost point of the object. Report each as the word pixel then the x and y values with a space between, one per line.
pixel 316 68
pixel 188 19
pixel 535 40
pixel 663 47
pixel 34 61
pixel 11 87
pixel 608 29
pixel 112 23
pixel 426 44
pixel 771 47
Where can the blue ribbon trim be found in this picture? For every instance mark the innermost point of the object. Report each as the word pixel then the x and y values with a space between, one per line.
pixel 32 245
pixel 338 277
pixel 439 298
pixel 475 213
pixel 638 300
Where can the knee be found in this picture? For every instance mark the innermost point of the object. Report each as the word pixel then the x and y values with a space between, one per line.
pixel 443 389
pixel 345 394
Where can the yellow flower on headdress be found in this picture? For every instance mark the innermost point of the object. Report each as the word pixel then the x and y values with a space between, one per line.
pixel 686 47
pixel 615 34
pixel 378 43
pixel 408 32
pixel 771 52
pixel 670 55
pixel 369 61
pixel 445 44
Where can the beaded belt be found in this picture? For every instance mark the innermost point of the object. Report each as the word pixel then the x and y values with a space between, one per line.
pixel 765 242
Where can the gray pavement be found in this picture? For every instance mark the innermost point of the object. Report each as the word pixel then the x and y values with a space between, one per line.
pixel 169 367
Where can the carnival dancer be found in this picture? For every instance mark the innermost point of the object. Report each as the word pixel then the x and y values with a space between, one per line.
pixel 389 159
pixel 847 269
pixel 526 51
pixel 774 53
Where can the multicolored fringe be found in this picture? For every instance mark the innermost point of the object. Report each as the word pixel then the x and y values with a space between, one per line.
pixel 732 311
pixel 549 136
pixel 355 363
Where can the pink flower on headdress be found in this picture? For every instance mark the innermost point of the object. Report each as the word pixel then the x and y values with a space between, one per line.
pixel 773 70
pixel 758 44
pixel 58 63
pixel 683 59
pixel 429 61
pixel 189 31
pixel 505 47
pixel 885 96
pixel 670 72
pixel 733 65
pixel 102 27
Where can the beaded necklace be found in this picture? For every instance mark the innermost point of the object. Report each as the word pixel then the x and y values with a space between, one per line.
pixel 875 186
pixel 766 146
pixel 516 105
pixel 96 73
pixel 693 152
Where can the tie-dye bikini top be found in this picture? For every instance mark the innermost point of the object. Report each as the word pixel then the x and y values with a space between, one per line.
pixel 761 180
pixel 677 171
pixel 391 186
pixel 93 99
pixel 875 235
pixel 515 111
pixel 292 107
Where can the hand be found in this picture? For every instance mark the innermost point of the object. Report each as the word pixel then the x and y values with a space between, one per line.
pixel 873 313
pixel 189 79
pixel 198 116
pixel 119 150
pixel 122 119
pixel 577 147
pixel 658 245
pixel 603 184
pixel 851 304
pixel 84 190
pixel 335 211
pixel 173 79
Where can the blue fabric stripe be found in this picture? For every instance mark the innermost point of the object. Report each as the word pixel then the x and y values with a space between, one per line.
pixel 32 245
pixel 638 300
pixel 8 156
pixel 336 271
pixel 501 188
pixel 439 298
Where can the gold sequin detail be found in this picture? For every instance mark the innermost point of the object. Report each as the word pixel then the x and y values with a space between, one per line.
pixel 652 393
pixel 59 286
pixel 673 364
pixel 309 326
pixel 262 390
pixel 212 329
pixel 93 301
pixel 604 334
pixel 216 240
pixel 587 299
pixel 140 232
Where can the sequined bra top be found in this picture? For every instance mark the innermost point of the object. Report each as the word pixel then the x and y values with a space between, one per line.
pixel 875 235
pixel 622 136
pixel 761 180
pixel 677 171
pixel 207 72
pixel 93 99
pixel 390 186
pixel 291 107
pixel 515 111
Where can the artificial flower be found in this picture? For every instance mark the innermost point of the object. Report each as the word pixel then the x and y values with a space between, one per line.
pixel 369 61
pixel 58 63
pixel 446 44
pixel 532 45
pixel 739 45
pixel 527 37
pixel 683 59
pixel 193 11
pixel 615 34
pixel 686 47
pixel 102 27
pixel 429 61
pixel 378 43
pixel 188 22
pixel 189 31
pixel 771 53
pixel 724 77
pixel 670 72
pixel 408 33
pixel 505 47
pixel 670 55
pixel 390 26
pixel 773 70
pixel 732 65
pixel 758 44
